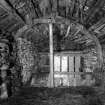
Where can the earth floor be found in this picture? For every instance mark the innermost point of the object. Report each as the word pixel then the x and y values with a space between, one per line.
pixel 55 96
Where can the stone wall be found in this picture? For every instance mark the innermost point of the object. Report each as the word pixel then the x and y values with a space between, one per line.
pixel 91 65
pixel 103 67
pixel 26 58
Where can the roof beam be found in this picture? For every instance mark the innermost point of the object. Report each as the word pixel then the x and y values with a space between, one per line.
pixel 94 10
pixel 37 9
pixel 15 26
pixel 7 6
pixel 98 24
pixel 99 28
pixel 34 8
pixel 5 19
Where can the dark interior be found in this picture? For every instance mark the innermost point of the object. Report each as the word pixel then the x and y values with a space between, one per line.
pixel 52 52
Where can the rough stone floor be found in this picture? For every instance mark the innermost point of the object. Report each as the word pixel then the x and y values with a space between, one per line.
pixel 55 96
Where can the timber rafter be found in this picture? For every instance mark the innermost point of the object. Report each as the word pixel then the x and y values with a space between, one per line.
pixel 6 5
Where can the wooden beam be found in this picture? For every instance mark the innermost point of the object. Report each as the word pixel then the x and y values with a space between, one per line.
pixel 10 24
pixel 53 19
pixel 20 31
pixel 34 7
pixel 51 55
pixel 94 10
pixel 43 20
pixel 7 6
pixel 68 53
pixel 98 28
pixel 72 7
pixel 79 29
pixel 15 26
pixel 55 5
pixel 68 30
pixel 98 24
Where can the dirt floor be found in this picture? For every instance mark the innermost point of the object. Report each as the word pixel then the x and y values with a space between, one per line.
pixel 55 96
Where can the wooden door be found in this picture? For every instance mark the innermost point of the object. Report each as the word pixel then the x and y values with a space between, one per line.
pixel 66 70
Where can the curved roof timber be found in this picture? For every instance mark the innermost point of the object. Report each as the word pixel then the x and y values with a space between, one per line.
pixel 17 8
pixel 14 14
pixel 99 30
pixel 12 17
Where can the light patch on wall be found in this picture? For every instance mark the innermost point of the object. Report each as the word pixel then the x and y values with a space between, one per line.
pixel 64 64
pixel 56 63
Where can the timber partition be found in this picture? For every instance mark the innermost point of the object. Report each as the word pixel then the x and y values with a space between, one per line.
pixel 59 20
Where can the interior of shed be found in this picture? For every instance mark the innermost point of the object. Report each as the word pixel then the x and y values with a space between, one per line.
pixel 52 52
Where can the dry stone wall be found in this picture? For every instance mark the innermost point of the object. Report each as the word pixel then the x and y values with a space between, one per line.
pixel 26 58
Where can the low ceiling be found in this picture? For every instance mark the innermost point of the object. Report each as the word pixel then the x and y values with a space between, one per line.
pixel 14 14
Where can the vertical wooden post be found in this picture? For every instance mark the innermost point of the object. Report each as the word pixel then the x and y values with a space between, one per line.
pixel 51 54
pixel 77 67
